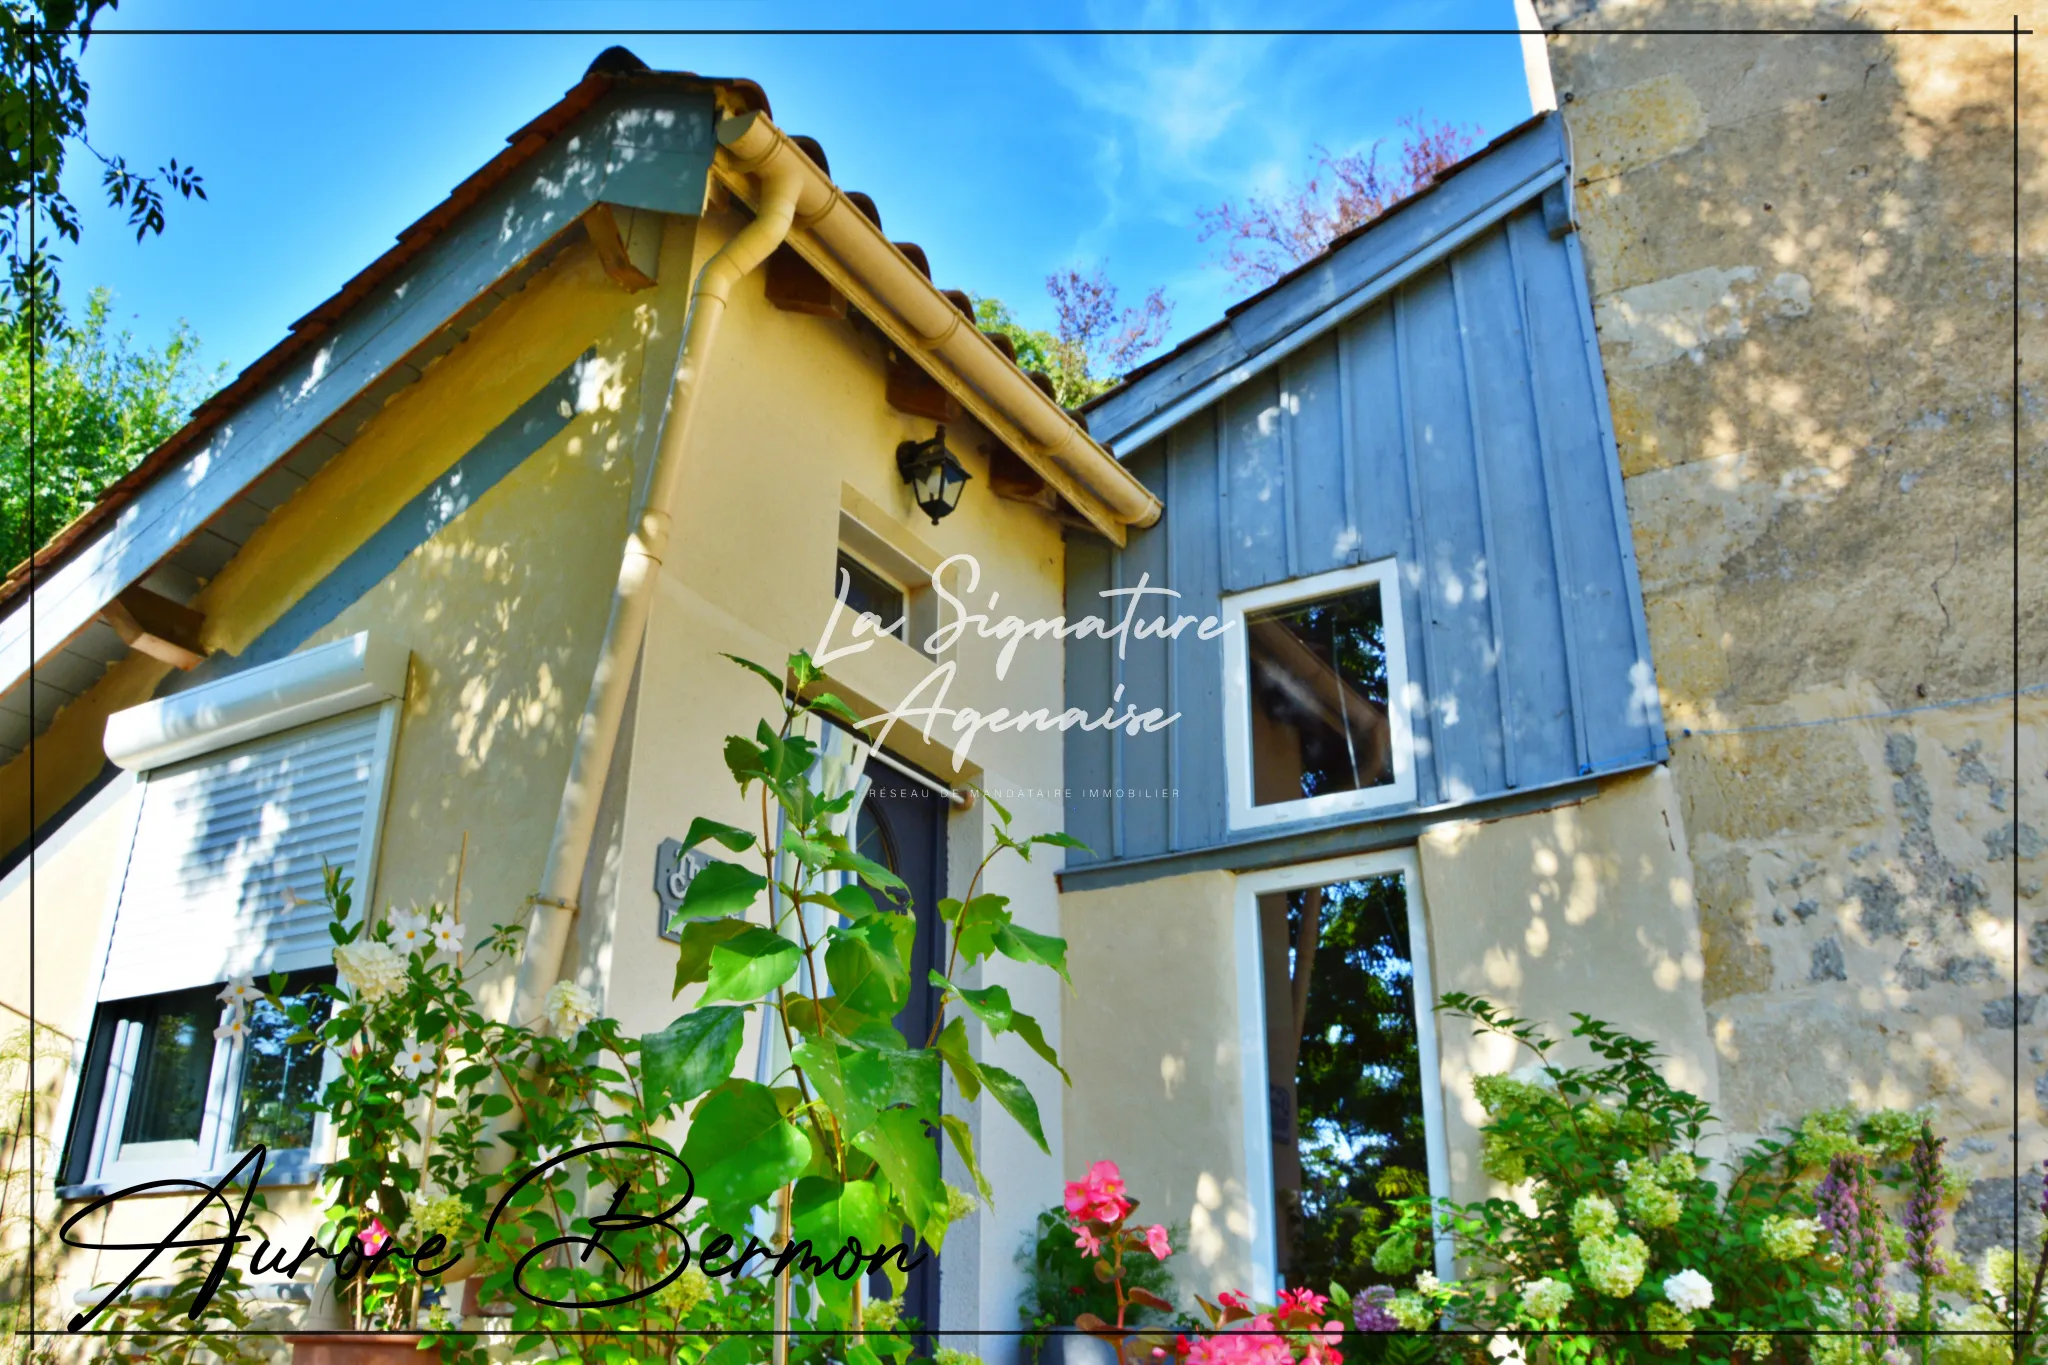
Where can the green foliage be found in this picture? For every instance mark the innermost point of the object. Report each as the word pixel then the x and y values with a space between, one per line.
pixel 101 404
pixel 1623 1246
pixel 1041 351
pixel 42 114
pixel 40 1051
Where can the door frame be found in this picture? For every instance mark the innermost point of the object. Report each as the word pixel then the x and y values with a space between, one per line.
pixel 1251 1040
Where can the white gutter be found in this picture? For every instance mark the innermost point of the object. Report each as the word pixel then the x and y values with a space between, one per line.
pixel 785 191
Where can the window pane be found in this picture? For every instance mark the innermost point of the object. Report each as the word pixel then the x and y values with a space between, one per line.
pixel 867 591
pixel 280 1079
pixel 1346 1081
pixel 173 1067
pixel 1319 698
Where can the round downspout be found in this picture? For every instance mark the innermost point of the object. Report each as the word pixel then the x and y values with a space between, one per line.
pixel 779 170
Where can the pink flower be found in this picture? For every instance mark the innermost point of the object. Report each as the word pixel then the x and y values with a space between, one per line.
pixel 373 1237
pixel 1155 1242
pixel 1086 1242
pixel 1303 1300
pixel 1098 1196
pixel 1230 1298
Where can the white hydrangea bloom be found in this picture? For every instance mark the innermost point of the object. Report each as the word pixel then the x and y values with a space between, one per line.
pixel 1544 1300
pixel 1689 1291
pixel 568 1007
pixel 371 970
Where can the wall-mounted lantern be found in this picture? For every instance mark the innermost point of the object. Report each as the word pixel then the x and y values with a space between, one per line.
pixel 934 475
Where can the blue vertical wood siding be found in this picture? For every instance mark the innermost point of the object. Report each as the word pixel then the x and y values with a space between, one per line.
pixel 1455 422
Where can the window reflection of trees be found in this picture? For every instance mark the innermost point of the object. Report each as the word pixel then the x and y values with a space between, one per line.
pixel 1347 1082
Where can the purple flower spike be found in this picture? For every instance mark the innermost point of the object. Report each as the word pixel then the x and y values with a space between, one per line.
pixel 1923 1217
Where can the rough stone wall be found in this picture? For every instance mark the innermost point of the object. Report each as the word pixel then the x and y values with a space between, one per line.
pixel 1799 250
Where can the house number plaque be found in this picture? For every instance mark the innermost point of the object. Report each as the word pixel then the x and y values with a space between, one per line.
pixel 674 870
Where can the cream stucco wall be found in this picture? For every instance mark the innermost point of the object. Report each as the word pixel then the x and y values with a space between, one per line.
pixel 1584 908
pixel 1157 1066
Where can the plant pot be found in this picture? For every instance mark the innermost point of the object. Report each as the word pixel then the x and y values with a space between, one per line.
pixel 361 1348
pixel 1068 1347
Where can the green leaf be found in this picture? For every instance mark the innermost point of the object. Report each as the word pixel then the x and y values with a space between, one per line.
pixel 1025 1027
pixel 1015 1096
pixel 771 679
pixel 829 1215
pixel 868 870
pixel 978 923
pixel 991 1004
pixel 907 1155
pixel 699 938
pixel 883 1077
pixel 1027 945
pixel 745 761
pixel 720 889
pixel 832 705
pixel 733 837
pixel 813 1017
pixel 855 901
pixel 691 1055
pixel 1002 811
pixel 820 1057
pixel 952 1046
pixel 864 967
pixel 742 1149
pixel 803 669
pixel 750 964
pixel 1059 840
pixel 963 1142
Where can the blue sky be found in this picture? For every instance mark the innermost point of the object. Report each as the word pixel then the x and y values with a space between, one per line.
pixel 1005 157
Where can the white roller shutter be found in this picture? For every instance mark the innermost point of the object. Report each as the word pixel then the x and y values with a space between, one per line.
pixel 224 876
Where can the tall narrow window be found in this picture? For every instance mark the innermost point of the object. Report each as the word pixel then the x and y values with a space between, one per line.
pixel 1314 692
pixel 1344 1070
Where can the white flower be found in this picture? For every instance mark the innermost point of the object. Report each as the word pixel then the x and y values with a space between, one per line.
pixel 568 1007
pixel 547 1152
pixel 240 993
pixel 414 1059
pixel 1504 1348
pixel 447 936
pixel 1545 1299
pixel 1427 1282
pixel 370 969
pixel 1689 1291
pixel 232 1025
pixel 409 931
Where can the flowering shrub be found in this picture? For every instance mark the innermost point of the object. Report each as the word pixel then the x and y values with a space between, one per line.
pixel 1620 1248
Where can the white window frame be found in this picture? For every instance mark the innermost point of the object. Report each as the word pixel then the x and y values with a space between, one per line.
pixel 1237 704
pixel 301 689
pixel 1251 1040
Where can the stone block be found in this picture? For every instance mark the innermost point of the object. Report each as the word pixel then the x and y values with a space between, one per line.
pixel 1617 130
